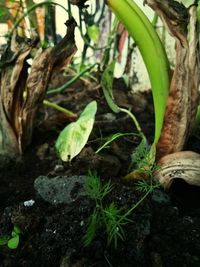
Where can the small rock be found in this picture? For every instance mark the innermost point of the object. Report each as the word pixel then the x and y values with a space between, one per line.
pixel 60 189
pixel 58 168
pixel 29 203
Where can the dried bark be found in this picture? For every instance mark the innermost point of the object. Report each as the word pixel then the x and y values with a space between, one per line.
pixel 183 96
pixel 21 93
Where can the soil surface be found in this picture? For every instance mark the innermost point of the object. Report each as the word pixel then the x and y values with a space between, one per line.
pixel 45 197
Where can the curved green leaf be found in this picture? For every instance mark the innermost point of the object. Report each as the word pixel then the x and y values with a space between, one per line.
pixel 13 242
pixel 152 51
pixel 73 138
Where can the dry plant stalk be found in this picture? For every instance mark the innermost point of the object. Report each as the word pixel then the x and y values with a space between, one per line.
pixel 18 113
pixel 183 98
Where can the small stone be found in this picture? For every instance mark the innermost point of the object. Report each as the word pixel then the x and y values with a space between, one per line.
pixel 29 203
pixel 58 168
pixel 60 189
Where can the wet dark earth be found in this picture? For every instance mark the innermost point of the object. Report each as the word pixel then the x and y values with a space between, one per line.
pixel 45 197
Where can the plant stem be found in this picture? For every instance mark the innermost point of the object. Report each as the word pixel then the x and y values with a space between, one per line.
pixel 135 122
pixel 62 88
pixel 59 108
pixel 69 8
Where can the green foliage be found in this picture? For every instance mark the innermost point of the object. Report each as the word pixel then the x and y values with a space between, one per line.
pixel 73 138
pixel 153 53
pixel 94 188
pixel 113 138
pixel 146 186
pixel 107 86
pixel 4 14
pixel 93 33
pixel 11 241
pixel 109 218
pixel 114 224
pixel 141 159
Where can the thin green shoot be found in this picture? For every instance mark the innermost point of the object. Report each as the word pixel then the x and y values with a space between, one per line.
pixel 113 138
pixel 137 125
pixel 62 88
pixel 93 226
pixel 109 217
pixel 114 224
pixel 59 108
pixel 94 188
pixel 102 217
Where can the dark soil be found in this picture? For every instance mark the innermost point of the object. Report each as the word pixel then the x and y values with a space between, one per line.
pixel 163 231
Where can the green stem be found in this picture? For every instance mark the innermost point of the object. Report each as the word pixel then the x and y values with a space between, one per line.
pixel 138 203
pixel 155 20
pixel 135 122
pixel 69 8
pixel 62 88
pixel 59 108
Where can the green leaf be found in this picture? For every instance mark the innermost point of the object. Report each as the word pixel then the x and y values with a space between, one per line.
pixel 93 226
pixel 153 54
pixel 4 240
pixel 73 138
pixel 13 242
pixel 17 230
pixel 4 14
pixel 93 33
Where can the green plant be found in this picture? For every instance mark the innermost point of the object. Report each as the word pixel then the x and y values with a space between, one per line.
pixel 108 217
pixel 74 136
pixel 11 241
pixel 113 138
pixel 175 109
pixel 152 50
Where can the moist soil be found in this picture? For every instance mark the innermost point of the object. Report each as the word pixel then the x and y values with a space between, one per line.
pixel 163 231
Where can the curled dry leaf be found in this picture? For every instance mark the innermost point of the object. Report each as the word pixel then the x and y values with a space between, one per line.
pixel 18 113
pixel 183 165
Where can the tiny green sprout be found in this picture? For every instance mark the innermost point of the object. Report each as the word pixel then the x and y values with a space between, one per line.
pixel 107 217
pixel 11 241
pixel 113 138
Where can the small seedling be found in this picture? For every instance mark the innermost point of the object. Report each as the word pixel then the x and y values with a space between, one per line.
pixel 142 164
pixel 11 241
pixel 108 217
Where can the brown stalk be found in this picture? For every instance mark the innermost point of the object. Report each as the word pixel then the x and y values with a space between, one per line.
pixel 183 98
pixel 18 113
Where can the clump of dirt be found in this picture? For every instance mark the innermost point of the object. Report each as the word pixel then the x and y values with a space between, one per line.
pixel 163 230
